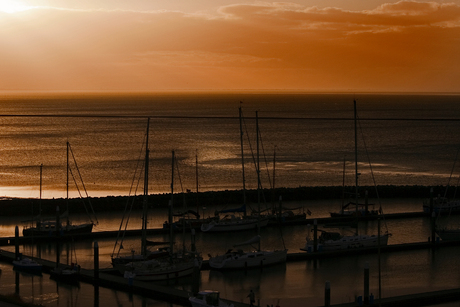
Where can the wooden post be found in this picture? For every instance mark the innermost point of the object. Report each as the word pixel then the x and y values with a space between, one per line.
pixel 366 283
pixel 96 261
pixel 58 222
pixel 327 294
pixel 16 243
pixel 433 228
pixel 315 236
pixel 57 237
pixel 431 200
pixel 366 203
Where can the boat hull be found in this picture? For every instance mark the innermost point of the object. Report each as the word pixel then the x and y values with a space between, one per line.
pixel 65 230
pixel 234 225
pixel 348 242
pixel 449 234
pixel 244 260
pixel 28 265
pixel 150 270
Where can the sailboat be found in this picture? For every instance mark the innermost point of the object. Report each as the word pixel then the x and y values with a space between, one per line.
pixel 145 253
pixel 189 218
pixel 353 209
pixel 334 240
pixel 232 222
pixel 48 227
pixel 66 273
pixel 171 265
pixel 208 298
pixel 447 231
pixel 240 259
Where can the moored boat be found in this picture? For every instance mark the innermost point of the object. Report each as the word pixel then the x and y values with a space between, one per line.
pixel 329 241
pixel 240 259
pixel 27 264
pixel 208 298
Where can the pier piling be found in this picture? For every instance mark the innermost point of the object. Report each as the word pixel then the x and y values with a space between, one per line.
pixel 327 294
pixel 315 236
pixel 96 261
pixel 16 242
pixel 366 283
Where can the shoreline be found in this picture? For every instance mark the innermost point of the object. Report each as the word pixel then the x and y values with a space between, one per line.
pixel 17 206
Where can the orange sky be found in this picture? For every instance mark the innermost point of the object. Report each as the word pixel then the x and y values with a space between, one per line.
pixel 140 45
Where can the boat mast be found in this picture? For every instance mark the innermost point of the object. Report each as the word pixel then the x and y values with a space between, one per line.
pixel 171 231
pixel 258 176
pixel 67 183
pixel 242 160
pixel 146 192
pixel 40 202
pixel 196 179
pixel 356 161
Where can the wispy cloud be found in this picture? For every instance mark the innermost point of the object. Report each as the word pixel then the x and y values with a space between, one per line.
pixel 407 45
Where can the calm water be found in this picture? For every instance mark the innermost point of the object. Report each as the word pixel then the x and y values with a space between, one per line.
pixel 408 139
pixel 294 284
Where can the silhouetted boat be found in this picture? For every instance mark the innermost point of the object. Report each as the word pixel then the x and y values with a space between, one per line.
pixel 50 226
pixel 27 264
pixel 334 240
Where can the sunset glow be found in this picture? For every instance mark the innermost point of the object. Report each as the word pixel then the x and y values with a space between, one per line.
pixel 10 6
pixel 308 45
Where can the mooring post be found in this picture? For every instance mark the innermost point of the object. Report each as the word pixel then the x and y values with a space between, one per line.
pixel 315 236
pixel 431 200
pixel 193 247
pixel 58 229
pixel 58 248
pixel 16 243
pixel 366 283
pixel 327 294
pixel 96 261
pixel 366 202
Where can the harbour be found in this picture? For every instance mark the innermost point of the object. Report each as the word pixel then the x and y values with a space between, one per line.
pixel 295 258
pixel 412 263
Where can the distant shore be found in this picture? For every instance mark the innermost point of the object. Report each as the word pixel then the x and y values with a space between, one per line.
pixel 30 206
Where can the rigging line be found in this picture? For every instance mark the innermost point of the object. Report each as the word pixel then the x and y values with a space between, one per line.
pixel 451 172
pixel 178 175
pixel 253 156
pixel 131 197
pixel 79 192
pixel 372 171
pixel 83 184
pixel 266 167
pixel 265 159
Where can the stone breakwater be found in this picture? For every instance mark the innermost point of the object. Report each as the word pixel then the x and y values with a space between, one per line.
pixel 17 206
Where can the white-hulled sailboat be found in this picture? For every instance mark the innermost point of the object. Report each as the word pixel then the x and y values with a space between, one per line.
pixel 334 240
pixel 240 259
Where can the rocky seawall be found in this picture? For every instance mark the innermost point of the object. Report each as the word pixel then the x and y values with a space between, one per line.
pixel 25 206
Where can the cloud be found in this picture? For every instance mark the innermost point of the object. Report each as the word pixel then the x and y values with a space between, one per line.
pixel 406 45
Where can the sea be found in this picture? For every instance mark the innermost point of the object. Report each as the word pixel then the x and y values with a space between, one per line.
pixel 302 140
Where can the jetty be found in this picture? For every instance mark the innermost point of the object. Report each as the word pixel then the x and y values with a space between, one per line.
pixel 107 278
pixel 5 241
